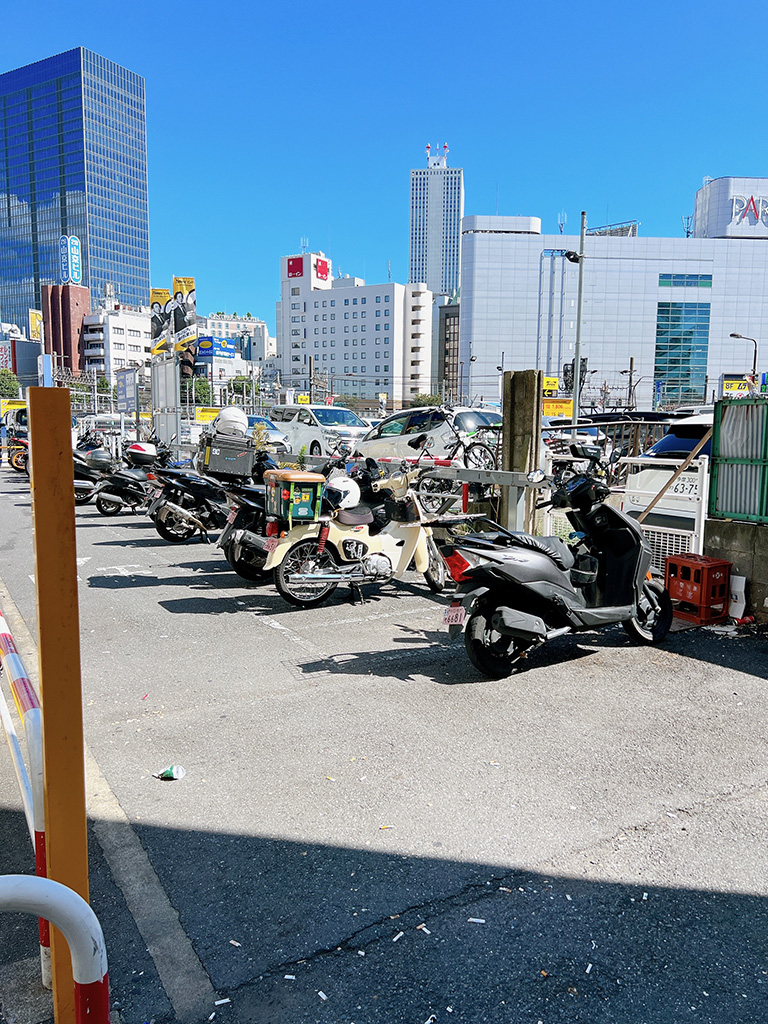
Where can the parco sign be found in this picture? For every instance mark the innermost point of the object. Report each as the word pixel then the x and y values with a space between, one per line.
pixel 752 208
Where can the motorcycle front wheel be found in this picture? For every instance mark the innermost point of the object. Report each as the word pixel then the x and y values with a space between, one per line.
pixel 18 461
pixel 247 563
pixel 82 499
pixel 302 558
pixel 435 574
pixel 107 508
pixel 651 621
pixel 492 653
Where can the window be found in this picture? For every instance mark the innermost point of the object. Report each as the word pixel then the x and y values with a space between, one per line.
pixel 378 312
pixel 362 303
pixel 119 345
pixel 386 341
pixel 685 280
pixel 363 312
pixel 295 319
pixel 324 303
pixel 378 298
pixel 295 291
pixel 317 330
pixel 346 302
pixel 333 302
pixel 316 305
pixel 378 327
pixel 333 316
pixel 325 316
pixel 296 330
pixel 386 298
pixel 393 427
pixel 377 369
pixel 386 368
pixel 118 330
pixel 295 305
pixel 386 327
pixel 354 315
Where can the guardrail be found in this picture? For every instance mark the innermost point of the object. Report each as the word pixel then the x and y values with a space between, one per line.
pixel 30 782
pixel 79 926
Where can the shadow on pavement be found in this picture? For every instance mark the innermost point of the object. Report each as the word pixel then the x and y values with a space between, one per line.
pixel 497 943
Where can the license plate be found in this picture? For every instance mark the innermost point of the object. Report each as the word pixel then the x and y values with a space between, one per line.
pixel 232 515
pixel 270 543
pixel 157 493
pixel 455 615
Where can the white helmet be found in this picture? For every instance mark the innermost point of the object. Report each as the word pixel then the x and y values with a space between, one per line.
pixel 231 421
pixel 343 491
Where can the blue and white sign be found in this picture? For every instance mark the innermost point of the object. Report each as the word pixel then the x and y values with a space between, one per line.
pixel 75 262
pixel 221 348
pixel 126 390
pixel 64 258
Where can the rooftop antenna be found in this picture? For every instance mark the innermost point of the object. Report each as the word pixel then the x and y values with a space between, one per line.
pixel 304 243
pixel 389 270
pixel 687 224
pixel 562 220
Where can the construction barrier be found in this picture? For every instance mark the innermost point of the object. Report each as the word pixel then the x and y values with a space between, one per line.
pixel 79 926
pixel 30 782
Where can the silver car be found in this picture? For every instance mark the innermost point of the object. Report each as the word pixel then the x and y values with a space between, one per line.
pixel 277 441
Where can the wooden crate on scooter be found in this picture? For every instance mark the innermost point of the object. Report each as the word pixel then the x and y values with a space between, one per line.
pixel 293 495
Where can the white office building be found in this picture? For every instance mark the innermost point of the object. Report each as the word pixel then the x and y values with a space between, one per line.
pixel 669 304
pixel 362 340
pixel 437 206
pixel 116 337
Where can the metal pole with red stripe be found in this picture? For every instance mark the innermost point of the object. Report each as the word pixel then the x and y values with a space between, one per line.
pixel 79 926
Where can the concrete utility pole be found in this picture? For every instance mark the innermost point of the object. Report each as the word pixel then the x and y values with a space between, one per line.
pixel 577 352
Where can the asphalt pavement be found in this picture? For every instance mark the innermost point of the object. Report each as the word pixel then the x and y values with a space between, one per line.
pixel 368 830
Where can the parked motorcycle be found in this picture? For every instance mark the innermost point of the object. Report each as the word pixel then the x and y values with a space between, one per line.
pixel 184 504
pixel 320 534
pixel 245 520
pixel 517 591
pixel 18 453
pixel 129 487
pixel 90 468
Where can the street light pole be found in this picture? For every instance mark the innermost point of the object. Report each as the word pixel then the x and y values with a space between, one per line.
pixel 577 351
pixel 743 337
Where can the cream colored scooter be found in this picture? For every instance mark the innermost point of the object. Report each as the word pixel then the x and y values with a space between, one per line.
pixel 349 546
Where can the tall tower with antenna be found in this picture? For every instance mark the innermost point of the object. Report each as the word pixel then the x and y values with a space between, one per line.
pixel 437 206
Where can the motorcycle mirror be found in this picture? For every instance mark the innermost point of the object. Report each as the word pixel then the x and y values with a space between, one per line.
pixel 586 451
pixel 418 442
pixel 536 476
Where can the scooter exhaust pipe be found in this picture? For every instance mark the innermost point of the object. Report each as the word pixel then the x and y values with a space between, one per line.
pixel 112 497
pixel 180 513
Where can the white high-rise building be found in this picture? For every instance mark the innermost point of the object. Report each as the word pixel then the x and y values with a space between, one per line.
pixel 363 340
pixel 437 206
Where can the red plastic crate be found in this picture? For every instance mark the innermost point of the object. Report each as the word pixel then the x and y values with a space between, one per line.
pixel 700 585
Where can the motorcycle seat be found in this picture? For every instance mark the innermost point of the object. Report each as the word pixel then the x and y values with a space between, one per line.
pixel 360 515
pixel 134 475
pixel 554 547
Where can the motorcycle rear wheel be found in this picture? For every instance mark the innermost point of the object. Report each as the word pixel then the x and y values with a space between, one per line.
pixel 434 491
pixel 174 530
pixel 301 557
pixel 18 461
pixel 492 653
pixel 652 626
pixel 108 508
pixel 82 499
pixel 249 568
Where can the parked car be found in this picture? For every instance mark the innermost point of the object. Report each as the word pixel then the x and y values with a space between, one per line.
pixel 390 437
pixel 277 441
pixel 317 428
pixel 677 508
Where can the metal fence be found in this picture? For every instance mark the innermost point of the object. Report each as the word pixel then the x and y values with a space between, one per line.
pixel 739 477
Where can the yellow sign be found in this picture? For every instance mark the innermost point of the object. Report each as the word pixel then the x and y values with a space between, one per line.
pixel 203 414
pixel 557 407
pixel 551 383
pixel 6 404
pixel 35 325
pixel 303 399
pixel 731 387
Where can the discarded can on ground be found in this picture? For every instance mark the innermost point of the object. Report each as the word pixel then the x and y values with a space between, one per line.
pixel 173 771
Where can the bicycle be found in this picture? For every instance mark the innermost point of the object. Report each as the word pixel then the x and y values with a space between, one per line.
pixel 434 491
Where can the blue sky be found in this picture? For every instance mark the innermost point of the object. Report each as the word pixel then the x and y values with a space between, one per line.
pixel 270 123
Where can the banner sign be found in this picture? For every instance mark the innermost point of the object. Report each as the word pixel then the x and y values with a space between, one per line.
pixel 159 301
pixel 184 311
pixel 35 317
pixel 303 400
pixel 296 266
pixel 6 355
pixel 733 384
pixel 204 414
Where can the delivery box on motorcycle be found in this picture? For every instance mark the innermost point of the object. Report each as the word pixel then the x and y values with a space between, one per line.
pixel 293 495
pixel 223 455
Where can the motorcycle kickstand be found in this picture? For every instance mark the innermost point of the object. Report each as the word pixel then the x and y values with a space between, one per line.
pixel 356 587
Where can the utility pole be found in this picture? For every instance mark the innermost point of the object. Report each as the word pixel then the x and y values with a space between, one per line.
pixel 577 352
pixel 311 376
pixel 630 396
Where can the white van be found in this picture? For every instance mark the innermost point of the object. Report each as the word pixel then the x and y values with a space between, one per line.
pixel 318 428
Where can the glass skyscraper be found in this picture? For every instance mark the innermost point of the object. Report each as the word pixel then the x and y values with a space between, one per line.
pixel 73 161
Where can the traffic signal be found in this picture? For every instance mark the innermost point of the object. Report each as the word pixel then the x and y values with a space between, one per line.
pixel 568 376
pixel 187 361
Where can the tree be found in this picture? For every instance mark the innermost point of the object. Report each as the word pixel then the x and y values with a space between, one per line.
pixel 240 386
pixel 428 400
pixel 102 386
pixel 9 384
